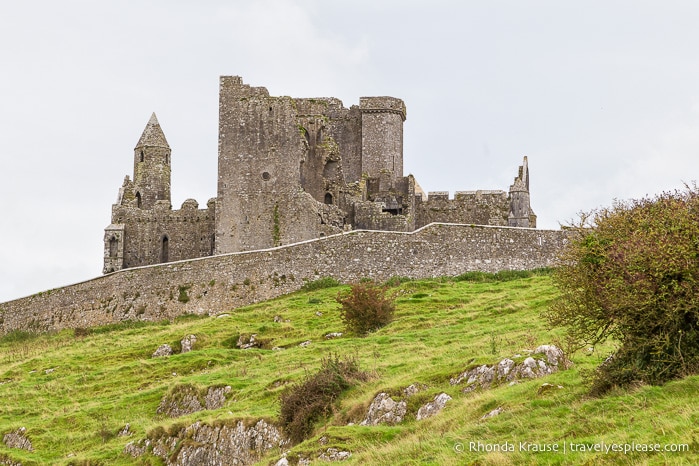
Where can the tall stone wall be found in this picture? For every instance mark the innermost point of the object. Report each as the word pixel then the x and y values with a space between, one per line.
pixel 262 150
pixel 221 283
pixel 486 207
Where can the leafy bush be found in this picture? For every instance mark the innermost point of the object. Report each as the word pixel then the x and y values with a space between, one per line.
pixel 366 307
pixel 631 272
pixel 321 283
pixel 304 403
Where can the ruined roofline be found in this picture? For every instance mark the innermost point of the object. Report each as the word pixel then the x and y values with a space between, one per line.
pixel 383 104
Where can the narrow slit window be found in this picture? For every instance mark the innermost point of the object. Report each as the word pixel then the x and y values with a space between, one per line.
pixel 164 250
pixel 113 246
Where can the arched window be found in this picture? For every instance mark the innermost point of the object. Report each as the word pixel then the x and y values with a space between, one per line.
pixel 142 156
pixel 328 198
pixel 113 246
pixel 138 200
pixel 164 252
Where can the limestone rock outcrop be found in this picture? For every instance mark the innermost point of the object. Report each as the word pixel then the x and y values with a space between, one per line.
pixel 18 439
pixel 163 350
pixel 187 343
pixel 549 359
pixel 385 410
pixel 433 407
pixel 187 399
pixel 237 443
pixel 248 341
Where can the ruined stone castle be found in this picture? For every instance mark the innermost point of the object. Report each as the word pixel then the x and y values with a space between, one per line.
pixel 290 170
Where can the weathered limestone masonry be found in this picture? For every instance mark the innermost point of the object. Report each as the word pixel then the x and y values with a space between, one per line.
pixel 290 170
pixel 220 283
pixel 144 229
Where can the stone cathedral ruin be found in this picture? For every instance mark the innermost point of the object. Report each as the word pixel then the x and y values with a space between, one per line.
pixel 290 170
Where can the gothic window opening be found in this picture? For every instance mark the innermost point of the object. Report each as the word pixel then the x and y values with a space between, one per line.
pixel 142 156
pixel 328 198
pixel 164 249
pixel 113 246
pixel 138 200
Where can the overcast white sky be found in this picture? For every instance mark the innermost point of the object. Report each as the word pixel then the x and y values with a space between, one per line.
pixel 602 96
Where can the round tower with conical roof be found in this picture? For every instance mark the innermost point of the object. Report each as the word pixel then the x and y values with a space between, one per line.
pixel 152 166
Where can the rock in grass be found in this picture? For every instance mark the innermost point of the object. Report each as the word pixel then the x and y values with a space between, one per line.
pixel 334 454
pixel 163 350
pixel 226 442
pixel 182 400
pixel 125 431
pixel 246 341
pixel 136 449
pixel 216 397
pixel 483 377
pixel 187 343
pixel 385 410
pixel 433 407
pixel 18 439
pixel 493 413
pixel 186 399
pixel 413 389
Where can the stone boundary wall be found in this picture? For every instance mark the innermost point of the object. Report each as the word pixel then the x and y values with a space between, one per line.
pixel 218 284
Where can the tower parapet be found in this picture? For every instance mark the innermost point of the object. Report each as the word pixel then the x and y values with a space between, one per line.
pixel 382 136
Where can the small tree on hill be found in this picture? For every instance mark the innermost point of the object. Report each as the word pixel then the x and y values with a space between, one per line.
pixel 308 401
pixel 632 273
pixel 366 307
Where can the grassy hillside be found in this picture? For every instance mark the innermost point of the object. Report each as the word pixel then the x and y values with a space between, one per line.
pixel 73 391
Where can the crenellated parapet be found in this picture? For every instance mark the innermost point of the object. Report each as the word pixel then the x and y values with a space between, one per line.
pixel 481 207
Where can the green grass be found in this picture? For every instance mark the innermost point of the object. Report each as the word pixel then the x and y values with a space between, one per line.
pixel 74 393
